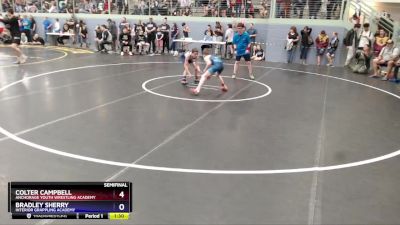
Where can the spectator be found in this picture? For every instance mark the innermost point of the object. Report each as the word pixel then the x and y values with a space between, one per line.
pixel 204 4
pixel 209 29
pixel 279 8
pixel 33 25
pixel 83 35
pixel 298 7
pixel 238 8
pixel 53 7
pixel 57 27
pixel 392 64
pixel 185 31
pixel 351 41
pixel 229 41
pixel 252 32
pixel 366 37
pixel 125 40
pixel 331 7
pixel 6 5
pixel 264 9
pixel 47 25
pixel 292 40
pixel 36 40
pixel 98 34
pixel 124 24
pixel 219 36
pixel 174 36
pixel 187 12
pixel 322 42
pixel 122 4
pixel 159 41
pixel 139 26
pixel 223 7
pixel 388 53
pixel 71 23
pixel 26 23
pixel 31 8
pixel 380 41
pixel 305 44
pixel 249 10
pixel 361 61
pixel 151 30
pixel 165 28
pixel 286 9
pixel 113 30
pixel 333 45
pixel 106 38
pixel 142 43
pixel 207 37
pixel 24 39
pixel 61 38
pixel 313 8
pixel 258 54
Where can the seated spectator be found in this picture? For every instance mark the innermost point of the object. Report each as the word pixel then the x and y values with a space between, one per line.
pixel 142 43
pixel 24 39
pixel 258 54
pixel 125 40
pixel 53 7
pixel 264 9
pixel 393 76
pixel 187 12
pixel 395 63
pixel 106 39
pixel 36 40
pixel 333 45
pixel 61 38
pixel 207 37
pixel 322 42
pixel 361 61
pixel 388 53
pixel 380 41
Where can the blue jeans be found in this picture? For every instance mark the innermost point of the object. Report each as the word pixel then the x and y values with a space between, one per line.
pixel 238 9
pixel 290 54
pixel 173 45
pixel 303 52
pixel 45 35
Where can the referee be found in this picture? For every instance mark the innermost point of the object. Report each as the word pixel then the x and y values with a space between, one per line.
pixel 242 44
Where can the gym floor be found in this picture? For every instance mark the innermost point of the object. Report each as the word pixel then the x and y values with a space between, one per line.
pixel 299 145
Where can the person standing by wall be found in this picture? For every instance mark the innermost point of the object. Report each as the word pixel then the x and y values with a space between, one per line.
pixel 292 40
pixel 26 23
pixel 322 42
pixel 112 28
pixel 151 30
pixel 305 43
pixel 351 41
pixel 165 28
pixel 253 34
pixel 47 25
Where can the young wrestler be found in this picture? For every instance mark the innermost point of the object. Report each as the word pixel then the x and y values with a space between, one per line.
pixel 214 65
pixel 190 58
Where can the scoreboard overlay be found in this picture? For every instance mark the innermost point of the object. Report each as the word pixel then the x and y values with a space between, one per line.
pixel 70 200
